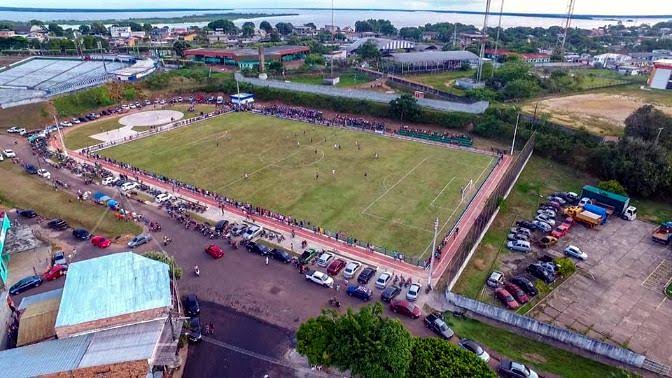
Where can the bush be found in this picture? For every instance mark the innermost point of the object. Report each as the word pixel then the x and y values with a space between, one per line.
pixel 566 266
pixel 612 186
pixel 84 101
pixel 173 269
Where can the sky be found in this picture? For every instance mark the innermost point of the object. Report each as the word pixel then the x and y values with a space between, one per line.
pixel 616 7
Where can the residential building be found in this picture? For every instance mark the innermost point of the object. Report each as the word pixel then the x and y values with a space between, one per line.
pixel 336 55
pixel 661 75
pixel 304 30
pixel 246 58
pixel 430 36
pixel 611 60
pixel 468 39
pixel 120 31
pixel 7 33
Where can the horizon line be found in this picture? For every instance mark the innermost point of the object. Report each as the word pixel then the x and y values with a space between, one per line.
pixel 130 10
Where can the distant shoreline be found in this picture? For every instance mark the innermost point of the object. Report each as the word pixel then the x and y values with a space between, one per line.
pixel 516 14
pixel 206 17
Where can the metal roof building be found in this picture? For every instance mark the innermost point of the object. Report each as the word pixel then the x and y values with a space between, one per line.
pixel 113 290
pixel 428 61
pixel 384 44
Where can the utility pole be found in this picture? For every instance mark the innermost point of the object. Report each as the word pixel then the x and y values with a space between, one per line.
pixel 431 259
pixel 60 135
pixel 515 131
pixel 499 28
pixel 660 129
pixel 455 36
pixel 484 40
pixel 333 39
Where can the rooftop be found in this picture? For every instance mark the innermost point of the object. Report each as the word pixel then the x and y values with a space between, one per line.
pixel 232 53
pixel 433 56
pixel 113 285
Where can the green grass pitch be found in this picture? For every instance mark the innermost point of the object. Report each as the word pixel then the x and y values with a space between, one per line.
pixel 293 168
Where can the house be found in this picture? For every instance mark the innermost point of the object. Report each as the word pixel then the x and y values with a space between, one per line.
pixel 159 34
pixel 7 33
pixel 629 70
pixel 218 36
pixel 468 39
pixel 304 30
pixel 120 31
pixel 189 37
pixel 113 318
pixel 661 75
pixel 611 60
pixel 430 36
pixel 336 55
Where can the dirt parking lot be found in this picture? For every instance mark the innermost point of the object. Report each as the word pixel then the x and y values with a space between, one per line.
pixel 617 294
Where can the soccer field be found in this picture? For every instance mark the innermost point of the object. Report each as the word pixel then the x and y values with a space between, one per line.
pixel 294 168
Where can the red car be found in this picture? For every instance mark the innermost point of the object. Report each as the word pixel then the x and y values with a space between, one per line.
pixel 214 250
pixel 507 299
pixel 560 231
pixel 100 241
pixel 54 272
pixel 569 221
pixel 335 267
pixel 517 293
pixel 406 308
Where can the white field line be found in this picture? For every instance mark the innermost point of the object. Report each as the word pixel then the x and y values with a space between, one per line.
pixel 441 192
pixel 396 222
pixel 395 184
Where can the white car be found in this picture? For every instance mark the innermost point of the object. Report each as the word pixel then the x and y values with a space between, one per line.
pixel 66 124
pixel 13 130
pixel 109 180
pixel 547 212
pixel 325 259
pixel 576 252
pixel 320 278
pixel 130 185
pixel 22 131
pixel 546 219
pixel 9 153
pixel 496 279
pixel 44 173
pixel 76 121
pixel 383 280
pixel 413 292
pixel 252 232
pixel 163 197
pixel 351 269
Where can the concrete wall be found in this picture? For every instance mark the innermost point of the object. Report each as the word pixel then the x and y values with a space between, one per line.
pixel 126 319
pixel 546 330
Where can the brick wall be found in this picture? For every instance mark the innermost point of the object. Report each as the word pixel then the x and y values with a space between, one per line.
pixel 125 369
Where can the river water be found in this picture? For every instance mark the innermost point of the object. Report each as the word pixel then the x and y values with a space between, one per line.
pixel 321 17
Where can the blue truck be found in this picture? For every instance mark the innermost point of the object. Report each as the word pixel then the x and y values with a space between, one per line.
pixel 597 210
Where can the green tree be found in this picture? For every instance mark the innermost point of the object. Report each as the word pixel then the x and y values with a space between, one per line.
pixel 84 29
pixel 369 50
pixel 405 108
pixel 314 59
pixel 284 28
pixel 275 37
pixel 612 186
pixel 248 29
pixel 180 46
pixel 173 268
pixel 227 26
pixel 276 66
pixel 99 28
pixel 520 88
pixel 147 27
pixel 310 25
pixel 434 357
pixel 316 336
pixel 266 26
pixel 646 122
pixel 56 30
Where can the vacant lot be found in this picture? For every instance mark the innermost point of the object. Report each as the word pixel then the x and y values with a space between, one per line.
pixel 294 168
pixel 598 113
pixel 31 116
pixel 18 189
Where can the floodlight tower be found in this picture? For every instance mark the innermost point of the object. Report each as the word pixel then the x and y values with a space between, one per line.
pixel 499 29
pixel 568 23
pixel 484 40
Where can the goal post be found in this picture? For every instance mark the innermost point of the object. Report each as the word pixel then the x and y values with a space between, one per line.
pixel 466 190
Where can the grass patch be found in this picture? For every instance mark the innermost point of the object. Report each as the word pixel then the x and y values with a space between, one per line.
pixel 540 356
pixel 390 201
pixel 347 79
pixel 31 116
pixel 80 136
pixel 18 189
pixel 442 80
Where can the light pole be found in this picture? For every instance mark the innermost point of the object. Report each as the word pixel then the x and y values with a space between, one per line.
pixel 515 131
pixel 431 259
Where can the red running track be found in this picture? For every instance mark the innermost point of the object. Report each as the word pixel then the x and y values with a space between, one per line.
pixel 447 254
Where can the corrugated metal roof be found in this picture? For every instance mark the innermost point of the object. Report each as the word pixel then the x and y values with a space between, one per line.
pixel 131 343
pixel 47 295
pixel 37 322
pixel 47 357
pixel 113 285
pixel 433 56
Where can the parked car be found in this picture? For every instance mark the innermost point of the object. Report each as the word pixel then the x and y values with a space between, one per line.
pixel 437 325
pixel 59 258
pixel 390 293
pixel 542 218
pixel 547 241
pixel 31 169
pixel 542 226
pixel 519 246
pixel 319 278
pixel 81 234
pixel 335 267
pixel 496 279
pixel 350 269
pixel 258 248
pixel 521 230
pixel 252 232
pixel 324 259
pixel 308 255
pixel 366 275
pixel 191 305
pixel 194 334
pixel 557 199
pixel 214 250
pixel 525 284
pixel 163 197
pixel 25 284
pixel 405 308
pixel 13 130
pixel 475 348
pixel 27 213
pixel 359 291
pixel 549 212
pixel 413 292
pixel 560 231
pixel 238 229
pixel 506 298
pixel 54 272
pixel 526 224
pixel 281 255
pixel 44 173
pixel 511 369
pixel 100 241
pixel 109 180
pixel 522 237
pixel 576 252
pixel 383 279
pixel 538 271
pixel 9 153
pixel 518 293
pixel 57 224
pixel 139 240
pixel 129 185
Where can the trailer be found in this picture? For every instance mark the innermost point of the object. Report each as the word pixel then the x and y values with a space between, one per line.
pixel 615 203
pixel 597 210
pixel 588 218
pixel 663 233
